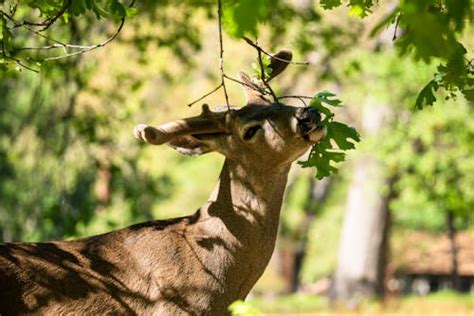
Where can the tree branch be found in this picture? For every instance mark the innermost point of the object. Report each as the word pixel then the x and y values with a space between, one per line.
pixel 84 49
pixel 206 95
pixel 46 23
pixel 262 75
pixel 258 48
pixel 221 56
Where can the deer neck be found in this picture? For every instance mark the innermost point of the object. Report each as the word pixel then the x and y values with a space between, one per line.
pixel 248 202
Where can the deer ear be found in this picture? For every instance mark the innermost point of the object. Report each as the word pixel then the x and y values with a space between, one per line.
pixel 253 93
pixel 191 136
pixel 279 62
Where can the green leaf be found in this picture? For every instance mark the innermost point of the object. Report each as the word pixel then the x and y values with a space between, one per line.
pixel 117 9
pixel 6 36
pixel 131 12
pixel 324 97
pixel 426 96
pixel 242 17
pixel 341 134
pixel 330 4
pixel 100 12
pixel 324 155
pixel 77 7
pixel 241 308
pixel 320 157
pixel 384 23
pixel 257 71
pixel 468 94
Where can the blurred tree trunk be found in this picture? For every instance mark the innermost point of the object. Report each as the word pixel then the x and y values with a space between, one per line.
pixel 454 250
pixel 318 192
pixel 292 255
pixel 363 246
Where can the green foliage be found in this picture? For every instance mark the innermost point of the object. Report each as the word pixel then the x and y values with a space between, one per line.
pixel 339 138
pixel 241 308
pixel 325 231
pixel 433 154
pixel 6 42
pixel 431 31
pixel 242 17
pixel 257 70
pixel 441 302
pixel 27 27
pixel 289 304
pixel 359 8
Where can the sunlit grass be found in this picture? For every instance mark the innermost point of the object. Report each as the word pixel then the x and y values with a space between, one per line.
pixel 440 303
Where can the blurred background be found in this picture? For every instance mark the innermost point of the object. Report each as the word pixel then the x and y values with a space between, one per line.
pixel 391 232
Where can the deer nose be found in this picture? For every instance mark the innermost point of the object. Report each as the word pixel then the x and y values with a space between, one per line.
pixel 309 119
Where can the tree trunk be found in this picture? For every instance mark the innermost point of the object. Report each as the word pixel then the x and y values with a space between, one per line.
pixel 364 239
pixel 454 250
pixel 293 255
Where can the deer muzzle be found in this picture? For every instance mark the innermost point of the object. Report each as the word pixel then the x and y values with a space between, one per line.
pixel 309 125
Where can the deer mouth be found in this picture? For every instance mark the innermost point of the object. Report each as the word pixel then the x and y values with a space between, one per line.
pixel 315 135
pixel 309 125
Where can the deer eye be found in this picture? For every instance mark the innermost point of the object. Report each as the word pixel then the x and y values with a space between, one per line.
pixel 251 131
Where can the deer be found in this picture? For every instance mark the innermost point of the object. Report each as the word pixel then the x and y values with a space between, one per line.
pixel 193 265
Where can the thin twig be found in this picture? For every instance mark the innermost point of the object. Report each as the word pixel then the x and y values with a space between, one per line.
pixel 221 56
pixel 206 95
pixel 54 46
pixel 397 21
pixel 46 24
pixel 56 17
pixel 36 32
pixel 89 48
pixel 255 45
pixel 299 97
pixel 294 97
pixel 262 75
pixel 254 87
pixel 18 62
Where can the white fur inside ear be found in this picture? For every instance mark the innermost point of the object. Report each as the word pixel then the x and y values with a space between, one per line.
pixel 190 152
pixel 188 145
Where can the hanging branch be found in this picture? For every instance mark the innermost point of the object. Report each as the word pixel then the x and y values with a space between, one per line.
pixel 84 49
pixel 30 26
pixel 46 23
pixel 206 95
pixel 221 62
pixel 302 98
pixel 223 76
pixel 395 31
pixel 260 49
pixel 221 56
pixel 262 76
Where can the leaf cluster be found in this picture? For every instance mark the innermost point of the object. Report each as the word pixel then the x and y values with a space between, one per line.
pixel 339 138
pixel 33 19
pixel 433 156
pixel 428 30
pixel 265 65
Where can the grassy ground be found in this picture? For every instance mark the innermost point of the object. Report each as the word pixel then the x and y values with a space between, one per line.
pixel 441 303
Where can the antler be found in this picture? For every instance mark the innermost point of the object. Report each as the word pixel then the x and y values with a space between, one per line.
pixel 207 122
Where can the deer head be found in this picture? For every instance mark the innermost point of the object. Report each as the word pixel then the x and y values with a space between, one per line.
pixel 260 134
